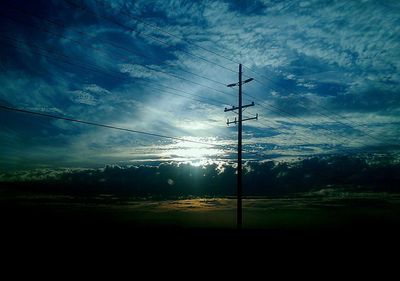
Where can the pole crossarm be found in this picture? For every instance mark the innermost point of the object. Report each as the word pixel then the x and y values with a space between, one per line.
pixel 235 121
pixel 240 83
pixel 251 118
pixel 239 121
pixel 236 107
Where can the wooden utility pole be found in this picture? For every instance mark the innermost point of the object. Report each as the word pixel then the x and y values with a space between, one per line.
pixel 239 215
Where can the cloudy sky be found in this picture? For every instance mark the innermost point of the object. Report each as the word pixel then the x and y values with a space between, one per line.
pixel 326 79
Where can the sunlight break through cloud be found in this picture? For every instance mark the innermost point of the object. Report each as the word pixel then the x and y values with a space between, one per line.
pixel 333 67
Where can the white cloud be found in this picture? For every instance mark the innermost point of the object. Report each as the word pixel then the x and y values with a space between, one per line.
pixel 83 97
pixel 308 45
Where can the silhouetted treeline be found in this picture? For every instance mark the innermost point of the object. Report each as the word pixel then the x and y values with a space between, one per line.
pixel 260 178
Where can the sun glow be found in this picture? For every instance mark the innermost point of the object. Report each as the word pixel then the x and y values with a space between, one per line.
pixel 195 153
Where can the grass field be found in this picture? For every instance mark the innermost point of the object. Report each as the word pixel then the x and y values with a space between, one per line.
pixel 328 221
pixel 330 210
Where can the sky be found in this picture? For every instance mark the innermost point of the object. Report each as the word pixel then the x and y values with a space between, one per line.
pixel 326 80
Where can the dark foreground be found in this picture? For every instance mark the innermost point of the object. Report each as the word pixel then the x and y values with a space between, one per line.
pixel 321 220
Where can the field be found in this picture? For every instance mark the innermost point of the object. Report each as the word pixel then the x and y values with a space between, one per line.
pixel 326 221
pixel 323 210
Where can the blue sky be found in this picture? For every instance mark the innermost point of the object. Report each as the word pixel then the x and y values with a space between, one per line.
pixel 327 79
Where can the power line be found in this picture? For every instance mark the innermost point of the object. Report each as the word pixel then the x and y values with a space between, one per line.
pixel 110 43
pixel 145 66
pixel 324 108
pixel 85 67
pixel 117 128
pixel 227 58
pixel 189 96
pixel 83 8
pixel 171 34
pixel 125 49
pixel 162 91
pixel 306 138
pixel 217 103
pixel 274 128
pixel 163 86
pixel 111 75
pixel 124 78
pixel 210 51
pixel 37 50
pixel 106 126
pixel 198 99
pixel 115 46
pixel 203 77
pixel 286 113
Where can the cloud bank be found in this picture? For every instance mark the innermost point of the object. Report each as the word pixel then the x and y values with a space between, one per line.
pixel 356 173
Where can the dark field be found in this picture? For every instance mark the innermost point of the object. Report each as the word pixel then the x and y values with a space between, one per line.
pixel 327 214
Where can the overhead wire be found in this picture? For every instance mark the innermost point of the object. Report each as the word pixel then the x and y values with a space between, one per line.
pixel 353 127
pixel 107 74
pixel 286 113
pixel 217 102
pixel 231 60
pixel 110 19
pixel 8 108
pixel 246 67
pixel 104 72
pixel 218 82
pixel 117 46
pixel 189 96
pixel 145 66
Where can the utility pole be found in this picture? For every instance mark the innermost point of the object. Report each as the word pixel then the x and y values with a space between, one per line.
pixel 239 215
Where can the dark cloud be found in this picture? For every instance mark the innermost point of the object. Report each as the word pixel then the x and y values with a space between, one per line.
pixel 371 100
pixel 381 173
pixel 248 7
